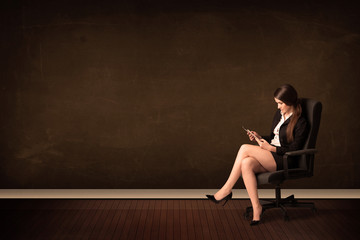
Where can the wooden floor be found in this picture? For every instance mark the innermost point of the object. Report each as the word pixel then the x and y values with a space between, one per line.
pixel 171 219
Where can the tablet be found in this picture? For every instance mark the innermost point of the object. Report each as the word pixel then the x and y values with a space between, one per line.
pixel 248 131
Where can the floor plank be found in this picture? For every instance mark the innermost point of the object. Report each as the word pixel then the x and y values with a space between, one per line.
pixel 171 219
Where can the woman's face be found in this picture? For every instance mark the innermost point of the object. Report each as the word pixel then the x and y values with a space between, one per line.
pixel 285 109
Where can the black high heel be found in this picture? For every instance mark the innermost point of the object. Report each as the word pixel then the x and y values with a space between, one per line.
pixel 226 198
pixel 256 222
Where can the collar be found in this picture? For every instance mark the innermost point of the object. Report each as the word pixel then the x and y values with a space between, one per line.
pixel 282 116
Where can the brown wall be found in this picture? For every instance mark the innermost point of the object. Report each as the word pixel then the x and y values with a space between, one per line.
pixel 139 95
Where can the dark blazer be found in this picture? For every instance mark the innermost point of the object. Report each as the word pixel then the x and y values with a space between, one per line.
pixel 300 134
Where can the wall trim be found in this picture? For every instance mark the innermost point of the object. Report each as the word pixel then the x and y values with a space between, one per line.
pixel 169 193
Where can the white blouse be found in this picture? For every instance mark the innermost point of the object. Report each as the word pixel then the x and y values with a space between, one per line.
pixel 276 140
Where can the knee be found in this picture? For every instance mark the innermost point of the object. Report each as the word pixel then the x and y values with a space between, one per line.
pixel 247 165
pixel 244 151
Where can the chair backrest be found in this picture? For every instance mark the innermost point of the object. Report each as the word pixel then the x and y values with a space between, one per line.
pixel 311 110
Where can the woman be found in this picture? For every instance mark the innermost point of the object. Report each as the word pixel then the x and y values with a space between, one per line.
pixel 288 133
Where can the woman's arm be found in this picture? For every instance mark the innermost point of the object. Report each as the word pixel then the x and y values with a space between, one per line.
pixel 266 145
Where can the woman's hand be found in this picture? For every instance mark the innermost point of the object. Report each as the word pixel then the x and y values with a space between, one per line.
pixel 265 145
pixel 251 137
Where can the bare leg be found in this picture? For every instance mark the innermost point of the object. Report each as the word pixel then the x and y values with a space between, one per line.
pixel 257 162
pixel 245 151
pixel 234 175
pixel 250 167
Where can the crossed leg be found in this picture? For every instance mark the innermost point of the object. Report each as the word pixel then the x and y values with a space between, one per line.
pixel 249 161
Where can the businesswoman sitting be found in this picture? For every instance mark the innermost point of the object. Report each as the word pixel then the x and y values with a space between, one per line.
pixel 288 133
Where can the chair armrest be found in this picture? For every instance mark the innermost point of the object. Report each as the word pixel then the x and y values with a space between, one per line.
pixel 301 152
pixel 295 153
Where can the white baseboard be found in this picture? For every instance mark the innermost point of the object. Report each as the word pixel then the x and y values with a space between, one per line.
pixel 169 193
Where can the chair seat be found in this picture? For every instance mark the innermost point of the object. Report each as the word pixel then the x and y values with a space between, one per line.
pixel 278 177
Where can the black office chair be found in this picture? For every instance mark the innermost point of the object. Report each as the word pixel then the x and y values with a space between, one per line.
pixel 311 110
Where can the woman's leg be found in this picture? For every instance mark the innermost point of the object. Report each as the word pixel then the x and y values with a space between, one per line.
pixel 234 175
pixel 250 167
pixel 245 151
pixel 264 158
pixel 259 160
pixel 265 162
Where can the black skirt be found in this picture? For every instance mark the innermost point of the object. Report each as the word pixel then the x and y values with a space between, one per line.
pixel 280 162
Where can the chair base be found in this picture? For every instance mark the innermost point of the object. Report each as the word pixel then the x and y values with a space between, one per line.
pixel 282 204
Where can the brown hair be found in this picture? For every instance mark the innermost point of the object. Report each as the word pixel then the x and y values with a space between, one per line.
pixel 288 95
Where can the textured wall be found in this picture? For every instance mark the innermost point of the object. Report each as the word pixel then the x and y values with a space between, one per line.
pixel 140 95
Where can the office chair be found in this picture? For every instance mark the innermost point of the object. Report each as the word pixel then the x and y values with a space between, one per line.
pixel 311 110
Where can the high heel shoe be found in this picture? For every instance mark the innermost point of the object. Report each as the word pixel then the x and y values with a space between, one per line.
pixel 226 198
pixel 256 222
